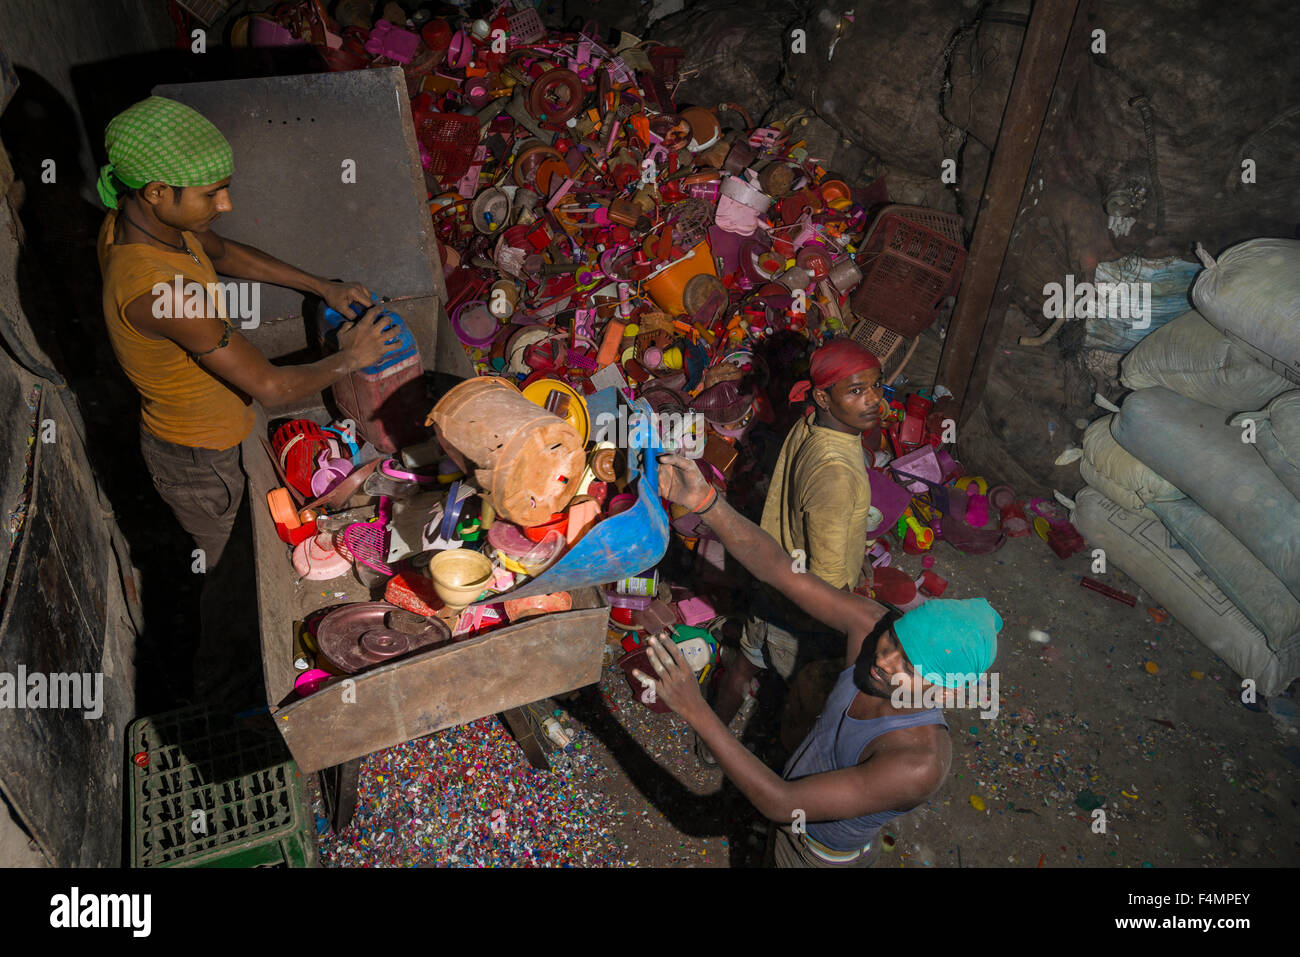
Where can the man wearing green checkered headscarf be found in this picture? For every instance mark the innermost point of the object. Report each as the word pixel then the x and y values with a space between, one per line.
pixel 160 140
pixel 166 182
pixel 168 177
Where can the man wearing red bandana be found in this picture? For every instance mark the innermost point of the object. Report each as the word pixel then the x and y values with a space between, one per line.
pixel 816 508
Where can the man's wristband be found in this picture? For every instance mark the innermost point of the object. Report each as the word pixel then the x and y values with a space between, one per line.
pixel 713 500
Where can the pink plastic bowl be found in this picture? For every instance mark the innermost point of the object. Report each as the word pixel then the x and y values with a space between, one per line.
pixel 309 681
pixel 621 503
pixel 316 559
pixel 264 32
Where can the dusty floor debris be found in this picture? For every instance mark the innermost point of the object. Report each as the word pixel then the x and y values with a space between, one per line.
pixel 1185 774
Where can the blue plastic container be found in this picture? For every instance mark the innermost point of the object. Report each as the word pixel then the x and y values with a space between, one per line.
pixel 402 341
pixel 388 400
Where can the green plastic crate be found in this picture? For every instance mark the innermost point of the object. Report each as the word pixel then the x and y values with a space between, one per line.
pixel 216 792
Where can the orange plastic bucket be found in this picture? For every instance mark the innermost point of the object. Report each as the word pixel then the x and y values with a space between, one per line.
pixel 666 289
pixel 834 191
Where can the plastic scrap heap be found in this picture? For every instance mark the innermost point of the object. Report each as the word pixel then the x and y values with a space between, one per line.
pixel 609 253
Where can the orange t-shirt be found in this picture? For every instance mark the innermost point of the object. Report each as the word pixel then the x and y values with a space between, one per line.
pixel 180 401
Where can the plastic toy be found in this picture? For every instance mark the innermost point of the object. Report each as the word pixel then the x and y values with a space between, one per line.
pixel 1060 534
pixel 393 42
pixel 698 647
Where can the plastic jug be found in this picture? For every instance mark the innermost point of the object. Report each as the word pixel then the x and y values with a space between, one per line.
pixel 387 400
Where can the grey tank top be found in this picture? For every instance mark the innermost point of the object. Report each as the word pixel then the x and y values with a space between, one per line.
pixel 835 742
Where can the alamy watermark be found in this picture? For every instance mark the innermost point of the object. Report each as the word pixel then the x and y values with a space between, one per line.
pixel 676 431
pixel 242 300
pixel 78 691
pixel 972 691
pixel 78 910
pixel 1102 300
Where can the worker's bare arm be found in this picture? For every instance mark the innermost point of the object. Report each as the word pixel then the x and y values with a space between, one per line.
pixel 897 777
pixel 763 556
pixel 239 363
pixel 231 258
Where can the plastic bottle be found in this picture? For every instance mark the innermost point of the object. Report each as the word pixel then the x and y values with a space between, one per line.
pixel 556 733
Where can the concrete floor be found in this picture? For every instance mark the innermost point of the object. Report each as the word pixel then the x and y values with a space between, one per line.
pixel 1185 774
pixel 1092 721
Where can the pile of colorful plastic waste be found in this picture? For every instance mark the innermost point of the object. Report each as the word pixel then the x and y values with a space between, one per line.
pixel 586 222
pixel 609 254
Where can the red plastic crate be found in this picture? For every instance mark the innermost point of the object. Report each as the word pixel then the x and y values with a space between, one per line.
pixel 449 140
pixel 910 262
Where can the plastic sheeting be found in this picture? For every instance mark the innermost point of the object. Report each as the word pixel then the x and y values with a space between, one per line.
pixel 1135 297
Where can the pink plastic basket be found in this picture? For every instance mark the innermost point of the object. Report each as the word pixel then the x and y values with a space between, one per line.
pixel 525 27
pixel 911 260
pixel 448 141
pixel 367 542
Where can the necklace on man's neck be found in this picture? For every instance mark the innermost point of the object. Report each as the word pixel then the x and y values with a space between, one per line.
pixel 183 247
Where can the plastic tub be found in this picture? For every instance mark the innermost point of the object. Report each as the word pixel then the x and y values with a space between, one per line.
pixel 667 287
pixel 474 324
pixel 460 576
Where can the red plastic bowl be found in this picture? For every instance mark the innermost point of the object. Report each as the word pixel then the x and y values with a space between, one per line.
pixel 292 536
pixel 559 522
pixel 893 585
pixel 436 34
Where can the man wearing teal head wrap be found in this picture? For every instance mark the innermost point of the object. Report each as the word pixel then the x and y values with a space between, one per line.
pixel 874 753
pixel 950 642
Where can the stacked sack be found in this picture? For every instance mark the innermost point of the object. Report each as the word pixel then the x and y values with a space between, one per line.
pixel 1195 482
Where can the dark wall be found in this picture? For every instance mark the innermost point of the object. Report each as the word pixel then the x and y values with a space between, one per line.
pixel 69 598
